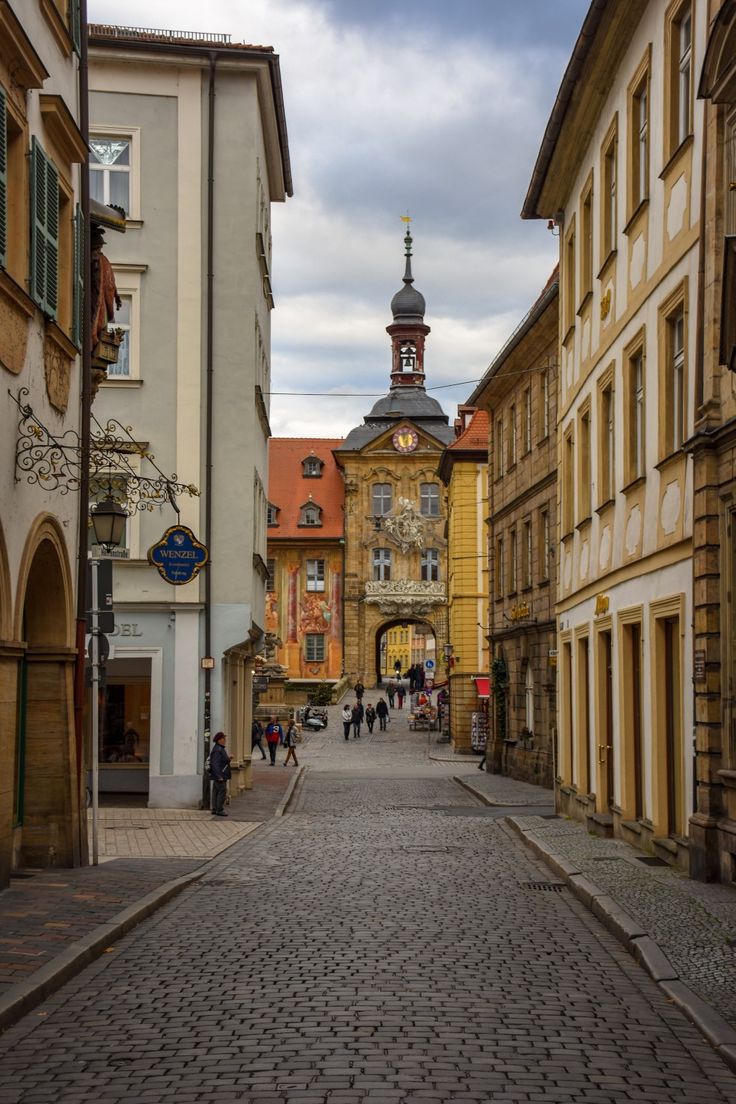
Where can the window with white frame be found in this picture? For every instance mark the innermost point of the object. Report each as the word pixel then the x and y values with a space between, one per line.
pixel 675 400
pixel 684 99
pixel 315 574
pixel 272 515
pixel 310 515
pixel 382 564
pixel 430 565
pixel 109 170
pixel 314 647
pixel 123 315
pixel 429 500
pixel 382 499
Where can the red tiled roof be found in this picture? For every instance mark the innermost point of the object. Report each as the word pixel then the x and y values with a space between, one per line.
pixel 475 435
pixel 288 489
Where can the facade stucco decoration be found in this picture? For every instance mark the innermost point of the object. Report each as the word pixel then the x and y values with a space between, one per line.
pixel 405 597
pixel 407 528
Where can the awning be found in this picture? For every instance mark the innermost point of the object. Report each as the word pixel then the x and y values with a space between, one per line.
pixel 483 686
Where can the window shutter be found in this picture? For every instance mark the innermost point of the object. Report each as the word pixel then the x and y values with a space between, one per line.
pixel 75 24
pixel 3 180
pixel 78 290
pixel 44 231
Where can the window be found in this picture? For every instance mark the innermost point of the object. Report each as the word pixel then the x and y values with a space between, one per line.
pixel 123 314
pixel 312 467
pixel 639 142
pixel 109 171
pixel 570 282
pixel 544 403
pixel 430 565
pixel 672 362
pixel 382 565
pixel 678 96
pixel 314 647
pixel 585 473
pixel 310 515
pixel 609 191
pixel 528 555
pixel 429 500
pixel 544 546
pixel 498 450
pixel 512 562
pixel 271 575
pixel 500 567
pixel 607 437
pixel 568 483
pixel 272 515
pixel 512 435
pixel 382 499
pixel 527 416
pixel 14 192
pixel 586 242
pixel 44 231
pixel 315 574
pixel 635 411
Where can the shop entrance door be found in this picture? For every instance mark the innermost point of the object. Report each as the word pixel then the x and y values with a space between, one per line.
pixel 125 729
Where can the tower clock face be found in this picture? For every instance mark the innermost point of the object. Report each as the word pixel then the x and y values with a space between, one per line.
pixel 405 439
pixel 408 356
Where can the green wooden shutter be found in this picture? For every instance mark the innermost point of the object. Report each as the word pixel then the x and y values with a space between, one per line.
pixel 75 24
pixel 78 291
pixel 3 180
pixel 44 231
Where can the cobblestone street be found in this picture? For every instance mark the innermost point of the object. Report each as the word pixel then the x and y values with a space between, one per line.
pixel 389 940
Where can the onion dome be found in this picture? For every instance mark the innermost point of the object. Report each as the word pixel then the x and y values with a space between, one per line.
pixel 408 304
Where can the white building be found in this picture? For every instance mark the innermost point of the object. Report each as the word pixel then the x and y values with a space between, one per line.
pixel 619 173
pixel 188 135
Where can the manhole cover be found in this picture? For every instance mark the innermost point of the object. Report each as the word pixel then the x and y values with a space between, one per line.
pixel 548 887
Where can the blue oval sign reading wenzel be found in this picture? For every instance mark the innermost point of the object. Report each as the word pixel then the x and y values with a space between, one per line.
pixel 178 555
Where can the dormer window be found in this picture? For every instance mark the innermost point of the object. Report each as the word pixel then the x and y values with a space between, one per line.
pixel 312 467
pixel 272 515
pixel 310 515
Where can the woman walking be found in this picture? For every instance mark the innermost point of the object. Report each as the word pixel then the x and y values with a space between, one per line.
pixel 370 716
pixel 347 720
pixel 290 743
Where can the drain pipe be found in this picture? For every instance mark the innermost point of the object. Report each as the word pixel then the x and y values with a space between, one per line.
pixel 208 422
pixel 85 412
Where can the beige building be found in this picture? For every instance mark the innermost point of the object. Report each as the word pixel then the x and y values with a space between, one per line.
pixel 188 136
pixel 41 289
pixel 519 394
pixel 619 173
pixel 395 510
pixel 713 445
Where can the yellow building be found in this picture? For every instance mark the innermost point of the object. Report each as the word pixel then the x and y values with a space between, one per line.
pixel 464 471
pixel 395 508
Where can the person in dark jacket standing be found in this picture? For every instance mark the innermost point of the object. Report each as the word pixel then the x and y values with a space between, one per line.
pixel 382 714
pixel 370 716
pixel 357 718
pixel 219 773
pixel 256 737
pixel 359 689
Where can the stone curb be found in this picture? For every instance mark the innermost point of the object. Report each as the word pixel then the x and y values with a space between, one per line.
pixel 647 952
pixel 26 995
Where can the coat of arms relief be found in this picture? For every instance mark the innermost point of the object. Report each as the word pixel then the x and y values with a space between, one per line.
pixel 407 528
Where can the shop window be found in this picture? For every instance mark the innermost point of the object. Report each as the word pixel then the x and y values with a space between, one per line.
pixel 125 736
pixel 315 574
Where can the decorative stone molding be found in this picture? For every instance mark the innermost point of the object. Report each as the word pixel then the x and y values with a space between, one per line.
pixel 407 528
pixel 405 597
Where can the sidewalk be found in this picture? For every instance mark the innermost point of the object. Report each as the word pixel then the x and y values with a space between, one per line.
pixel 683 932
pixel 53 922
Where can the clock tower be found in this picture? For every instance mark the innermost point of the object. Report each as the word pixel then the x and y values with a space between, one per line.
pixel 407 330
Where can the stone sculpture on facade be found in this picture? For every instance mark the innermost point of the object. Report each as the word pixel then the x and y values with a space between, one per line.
pixel 408 598
pixel 407 528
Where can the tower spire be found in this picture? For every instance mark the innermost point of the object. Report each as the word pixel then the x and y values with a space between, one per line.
pixel 408 329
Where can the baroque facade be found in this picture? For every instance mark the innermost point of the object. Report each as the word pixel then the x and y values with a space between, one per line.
pixel 174 121
pixel 395 508
pixel 626 202
pixel 42 820
pixel 305 561
pixel 519 394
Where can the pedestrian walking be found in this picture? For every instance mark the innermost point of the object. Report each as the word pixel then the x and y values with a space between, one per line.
pixel 290 743
pixel 370 716
pixel 274 737
pixel 357 718
pixel 411 674
pixel 256 737
pixel 219 774
pixel 382 714
pixel 391 693
pixel 420 677
pixel 400 693
pixel 359 689
pixel 347 719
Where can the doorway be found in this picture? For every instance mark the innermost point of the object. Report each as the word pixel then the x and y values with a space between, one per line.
pixel 404 644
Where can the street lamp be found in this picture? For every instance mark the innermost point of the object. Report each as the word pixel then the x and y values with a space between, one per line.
pixel 108 522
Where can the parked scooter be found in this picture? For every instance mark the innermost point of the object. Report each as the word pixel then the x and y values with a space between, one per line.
pixel 314 719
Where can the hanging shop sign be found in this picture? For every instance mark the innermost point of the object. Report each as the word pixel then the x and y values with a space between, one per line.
pixel 178 555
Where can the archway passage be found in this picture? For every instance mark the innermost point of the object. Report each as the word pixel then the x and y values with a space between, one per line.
pixel 401 644
pixel 46 793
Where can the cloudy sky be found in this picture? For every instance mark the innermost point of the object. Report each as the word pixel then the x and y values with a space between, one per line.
pixel 431 107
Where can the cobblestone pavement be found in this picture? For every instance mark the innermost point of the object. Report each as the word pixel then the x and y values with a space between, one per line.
pixel 389 941
pixel 153 833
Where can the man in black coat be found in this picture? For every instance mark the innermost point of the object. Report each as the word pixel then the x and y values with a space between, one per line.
pixel 219 773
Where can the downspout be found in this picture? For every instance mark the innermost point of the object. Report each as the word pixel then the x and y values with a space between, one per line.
pixel 208 420
pixel 493 759
pixel 84 437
